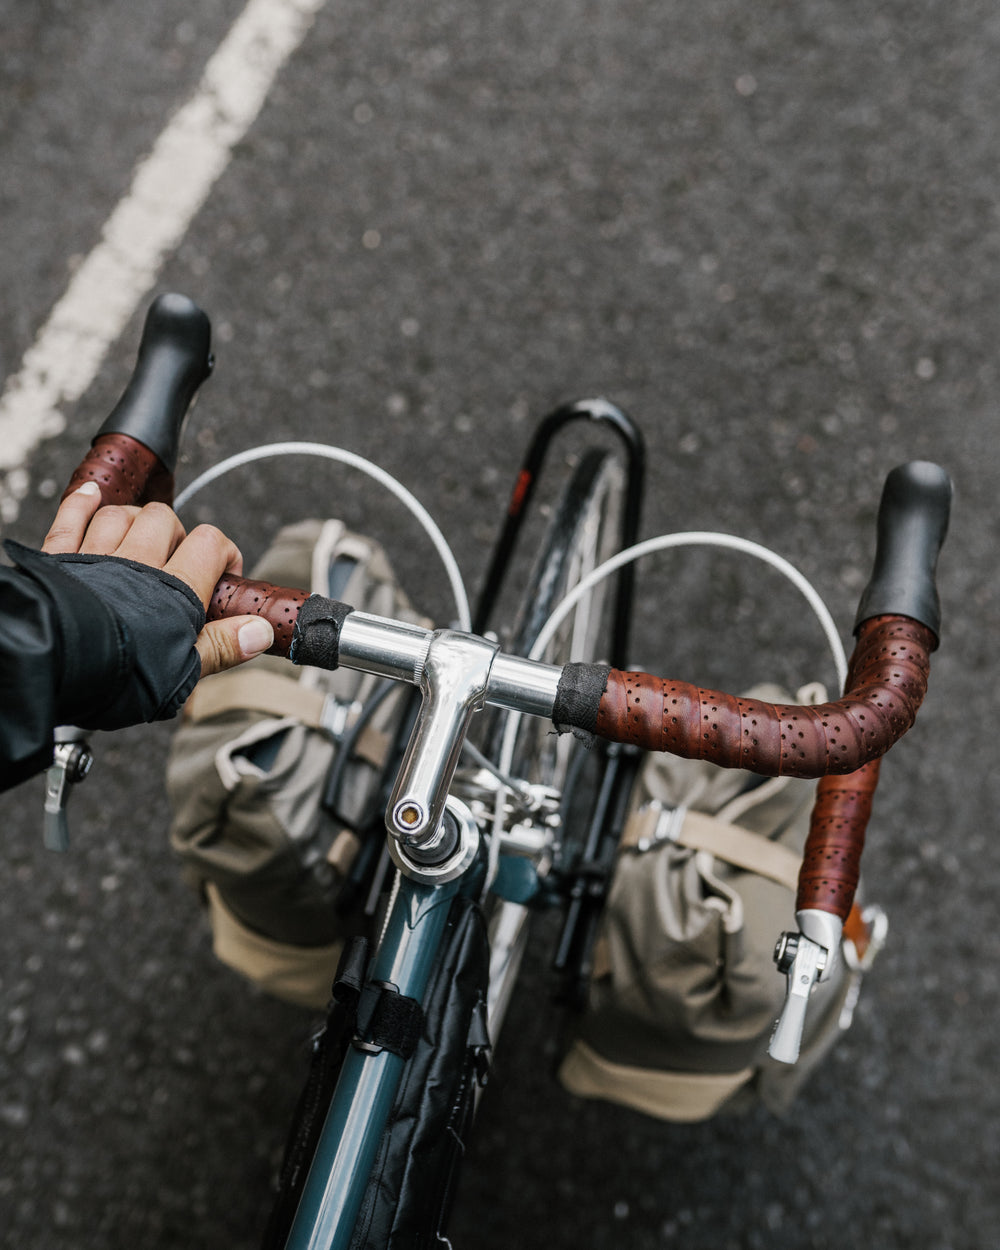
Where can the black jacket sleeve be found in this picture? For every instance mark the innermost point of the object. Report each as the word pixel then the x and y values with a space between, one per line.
pixel 30 655
pixel 92 641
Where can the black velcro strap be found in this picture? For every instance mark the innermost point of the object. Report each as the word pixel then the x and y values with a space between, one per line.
pixel 316 637
pixel 388 1020
pixel 384 1019
pixel 578 696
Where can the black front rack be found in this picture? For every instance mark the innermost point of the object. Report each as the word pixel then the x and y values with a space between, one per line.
pixel 601 412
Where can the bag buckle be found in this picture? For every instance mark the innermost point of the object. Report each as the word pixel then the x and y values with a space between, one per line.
pixel 669 822
pixel 338 716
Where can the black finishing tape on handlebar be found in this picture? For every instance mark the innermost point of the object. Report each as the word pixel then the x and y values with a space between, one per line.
pixel 316 637
pixel 912 523
pixel 578 697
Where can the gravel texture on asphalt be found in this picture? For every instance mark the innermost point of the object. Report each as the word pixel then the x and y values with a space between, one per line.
pixel 770 233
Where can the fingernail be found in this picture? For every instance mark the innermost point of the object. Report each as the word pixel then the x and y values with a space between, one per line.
pixel 88 488
pixel 255 636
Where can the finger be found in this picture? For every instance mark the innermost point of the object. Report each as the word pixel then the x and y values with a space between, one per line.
pixel 70 523
pixel 154 536
pixel 226 643
pixel 106 531
pixel 202 558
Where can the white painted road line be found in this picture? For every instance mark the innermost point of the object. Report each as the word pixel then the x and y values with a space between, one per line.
pixel 168 188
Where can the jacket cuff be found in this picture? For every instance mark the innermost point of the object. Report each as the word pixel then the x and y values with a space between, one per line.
pixel 95 652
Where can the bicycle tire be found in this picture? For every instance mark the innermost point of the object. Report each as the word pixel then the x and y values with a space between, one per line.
pixel 584 531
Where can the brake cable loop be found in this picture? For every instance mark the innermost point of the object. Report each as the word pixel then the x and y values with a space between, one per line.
pixel 700 538
pixel 324 451
pixel 662 542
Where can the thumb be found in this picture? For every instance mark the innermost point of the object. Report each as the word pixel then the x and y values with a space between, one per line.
pixel 226 643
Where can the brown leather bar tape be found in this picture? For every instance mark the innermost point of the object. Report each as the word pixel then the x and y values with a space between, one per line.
pixel 126 471
pixel 831 862
pixel 129 473
pixel 238 596
pixel 887 681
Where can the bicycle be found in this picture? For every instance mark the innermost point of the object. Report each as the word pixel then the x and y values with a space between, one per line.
pixel 456 836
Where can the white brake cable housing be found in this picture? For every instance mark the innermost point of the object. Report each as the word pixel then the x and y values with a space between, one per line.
pixel 270 451
pixel 699 538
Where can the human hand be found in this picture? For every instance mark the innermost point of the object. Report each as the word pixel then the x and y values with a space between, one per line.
pixel 154 535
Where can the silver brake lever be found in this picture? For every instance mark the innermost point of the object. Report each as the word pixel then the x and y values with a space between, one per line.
pixel 71 762
pixel 806 958
pixel 802 960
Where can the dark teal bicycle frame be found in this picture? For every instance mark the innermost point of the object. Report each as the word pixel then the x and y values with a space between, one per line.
pixel 406 956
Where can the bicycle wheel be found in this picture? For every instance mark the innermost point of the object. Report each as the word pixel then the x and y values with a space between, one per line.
pixel 585 531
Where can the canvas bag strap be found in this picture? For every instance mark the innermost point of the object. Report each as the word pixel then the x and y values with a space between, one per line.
pixel 653 825
pixel 284 698
pixel 256 690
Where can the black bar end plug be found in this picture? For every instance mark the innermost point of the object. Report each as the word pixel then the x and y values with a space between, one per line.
pixel 912 523
pixel 174 358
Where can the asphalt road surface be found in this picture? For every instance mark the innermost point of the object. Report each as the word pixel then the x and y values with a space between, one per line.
pixel 768 231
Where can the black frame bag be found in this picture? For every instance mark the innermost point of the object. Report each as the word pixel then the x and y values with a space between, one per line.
pixel 446 1044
